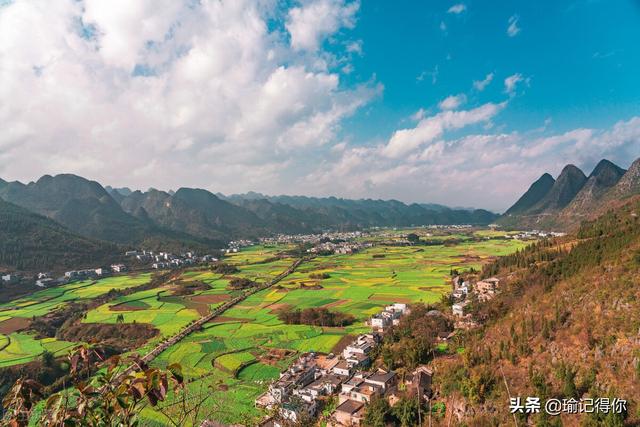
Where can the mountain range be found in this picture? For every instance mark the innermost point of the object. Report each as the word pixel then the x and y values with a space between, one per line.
pixel 564 202
pixel 196 218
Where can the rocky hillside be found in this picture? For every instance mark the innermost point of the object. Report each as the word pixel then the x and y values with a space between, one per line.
pixel 628 185
pixel 573 197
pixel 533 195
pixel 196 212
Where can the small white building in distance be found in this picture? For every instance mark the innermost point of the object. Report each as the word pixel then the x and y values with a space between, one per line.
pixel 459 308
pixel 118 268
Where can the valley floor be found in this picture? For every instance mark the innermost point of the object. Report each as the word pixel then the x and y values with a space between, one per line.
pixel 232 359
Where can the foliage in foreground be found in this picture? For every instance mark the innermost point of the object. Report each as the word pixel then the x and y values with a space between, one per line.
pixel 111 397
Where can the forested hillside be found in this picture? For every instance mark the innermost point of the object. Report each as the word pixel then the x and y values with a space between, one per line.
pixel 566 325
pixel 31 242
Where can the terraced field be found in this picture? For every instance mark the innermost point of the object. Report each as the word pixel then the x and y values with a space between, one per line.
pixel 235 356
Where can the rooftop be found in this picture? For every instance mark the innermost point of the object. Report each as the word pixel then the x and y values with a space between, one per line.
pixel 350 406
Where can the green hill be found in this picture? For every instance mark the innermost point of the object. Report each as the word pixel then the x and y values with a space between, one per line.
pixel 31 242
pixel 85 208
pixel 534 195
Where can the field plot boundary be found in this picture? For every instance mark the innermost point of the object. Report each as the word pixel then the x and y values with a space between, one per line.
pixel 205 319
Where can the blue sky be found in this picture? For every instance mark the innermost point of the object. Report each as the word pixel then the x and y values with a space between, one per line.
pixel 460 103
pixel 583 59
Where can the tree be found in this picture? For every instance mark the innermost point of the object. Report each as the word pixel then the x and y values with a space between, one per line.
pixel 111 397
pixel 406 412
pixel 48 358
pixel 413 238
pixel 120 318
pixel 19 402
pixel 568 377
pixel 377 413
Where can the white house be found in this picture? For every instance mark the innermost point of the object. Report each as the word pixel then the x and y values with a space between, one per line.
pixel 118 268
pixel 458 309
pixel 44 282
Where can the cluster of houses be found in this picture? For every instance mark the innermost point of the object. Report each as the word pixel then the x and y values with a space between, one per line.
pixel 10 278
pixel 45 279
pixel 484 290
pixel 313 239
pixel 451 226
pixel 91 273
pixel 162 260
pixel 314 377
pixel 338 247
pixel 234 246
pixel 156 260
pixel 343 242
pixel 534 235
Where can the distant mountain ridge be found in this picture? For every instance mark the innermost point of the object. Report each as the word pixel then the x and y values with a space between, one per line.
pixel 573 197
pixel 197 218
pixel 194 211
pixel 533 196
pixel 338 213
pixel 85 208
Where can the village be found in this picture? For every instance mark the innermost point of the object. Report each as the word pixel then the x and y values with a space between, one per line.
pixel 301 391
pixel 323 243
pixel 305 386
pixel 140 260
pixel 318 244
pixel 464 292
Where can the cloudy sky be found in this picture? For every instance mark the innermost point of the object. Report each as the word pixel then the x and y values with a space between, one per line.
pixel 461 103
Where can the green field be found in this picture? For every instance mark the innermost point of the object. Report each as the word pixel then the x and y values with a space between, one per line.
pixel 43 302
pixel 359 284
pixel 233 358
pixel 20 348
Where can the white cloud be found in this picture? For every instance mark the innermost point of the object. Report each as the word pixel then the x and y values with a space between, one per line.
pixel 418 115
pixel 452 102
pixel 457 8
pixel 490 170
pixel 312 22
pixel 545 145
pixel 404 141
pixel 355 47
pixel 511 83
pixel 513 29
pixel 217 99
pixel 481 85
pixel 221 100
pixel 433 74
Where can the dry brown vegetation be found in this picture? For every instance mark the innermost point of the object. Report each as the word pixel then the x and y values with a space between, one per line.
pixel 567 325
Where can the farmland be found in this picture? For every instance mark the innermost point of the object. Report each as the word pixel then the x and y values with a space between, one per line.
pixel 17 348
pixel 231 359
pixel 236 355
